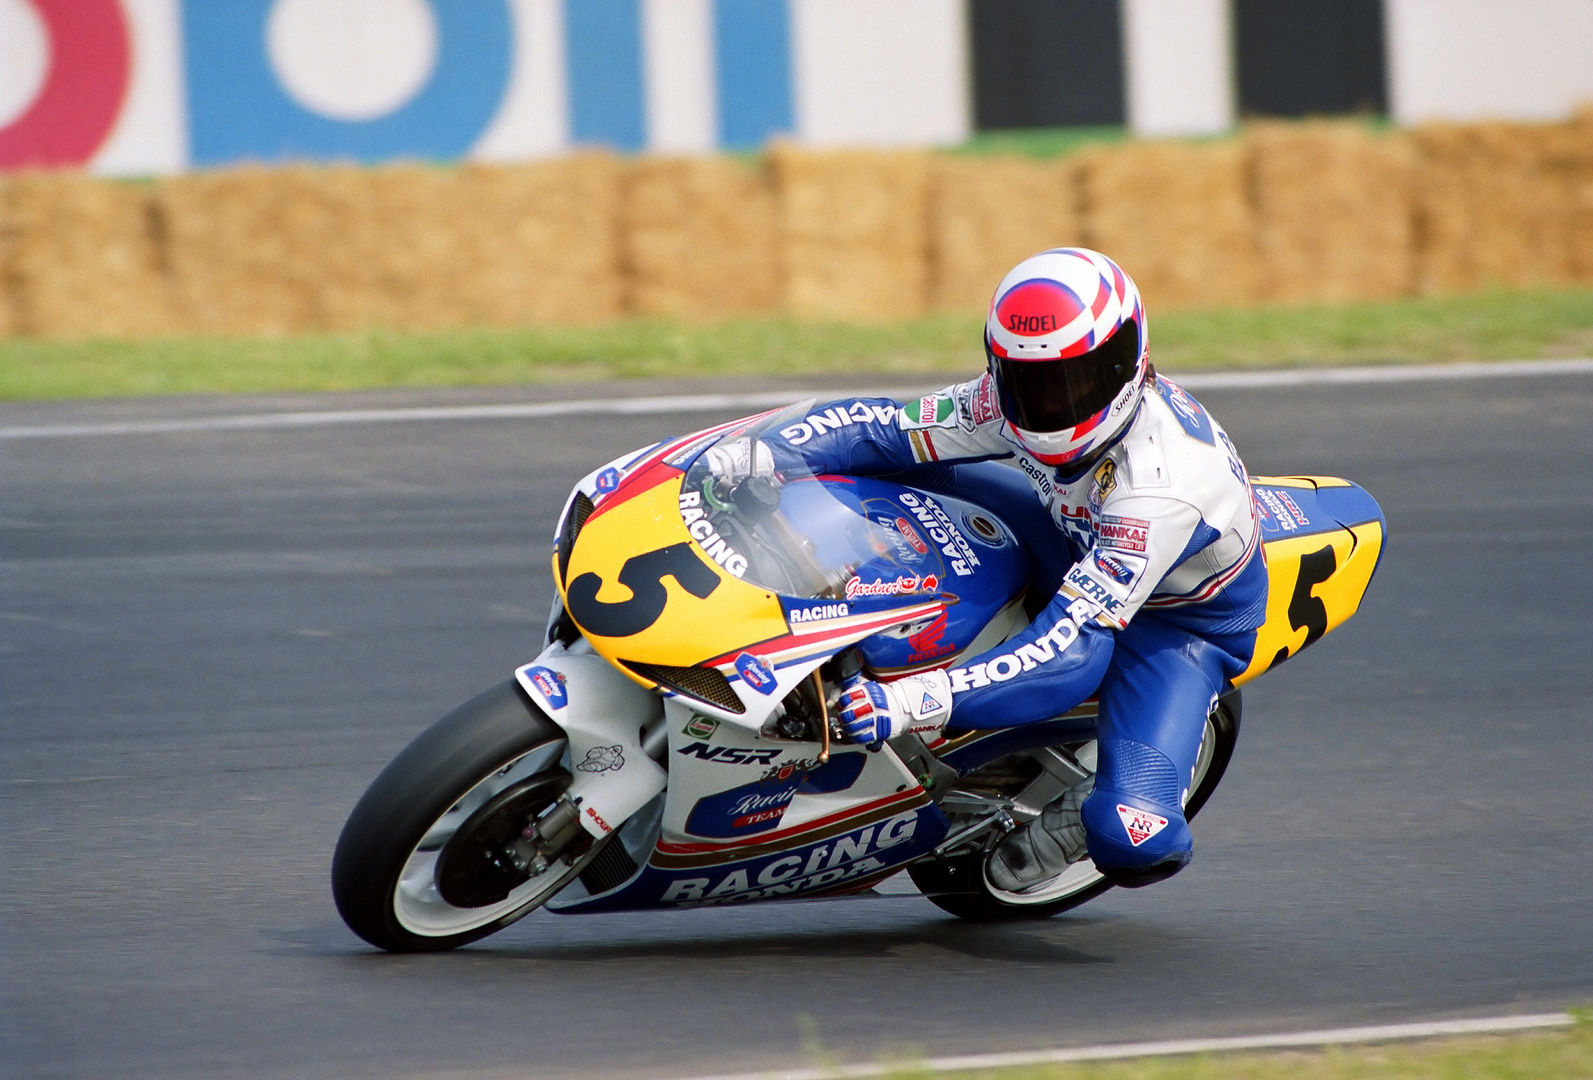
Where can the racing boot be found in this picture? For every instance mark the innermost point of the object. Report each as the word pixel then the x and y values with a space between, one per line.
pixel 1044 847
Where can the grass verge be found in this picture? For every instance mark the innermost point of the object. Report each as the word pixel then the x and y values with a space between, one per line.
pixel 1564 1054
pixel 1486 326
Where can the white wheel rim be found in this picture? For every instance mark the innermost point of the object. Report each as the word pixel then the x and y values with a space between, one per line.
pixel 417 904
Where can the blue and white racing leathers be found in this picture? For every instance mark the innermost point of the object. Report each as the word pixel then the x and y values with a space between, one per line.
pixel 1160 586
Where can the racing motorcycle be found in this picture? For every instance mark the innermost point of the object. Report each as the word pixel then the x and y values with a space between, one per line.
pixel 675 743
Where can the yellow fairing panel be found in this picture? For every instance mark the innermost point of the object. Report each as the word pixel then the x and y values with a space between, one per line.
pixel 1315 582
pixel 690 629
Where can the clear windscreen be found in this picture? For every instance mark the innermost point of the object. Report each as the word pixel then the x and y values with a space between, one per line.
pixel 799 535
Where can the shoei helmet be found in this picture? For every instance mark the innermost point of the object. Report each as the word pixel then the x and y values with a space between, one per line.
pixel 1068 352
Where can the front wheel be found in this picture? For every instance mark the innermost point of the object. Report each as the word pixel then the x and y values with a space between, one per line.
pixel 958 883
pixel 420 864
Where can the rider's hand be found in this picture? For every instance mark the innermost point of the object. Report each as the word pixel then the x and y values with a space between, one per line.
pixel 871 712
pixel 738 459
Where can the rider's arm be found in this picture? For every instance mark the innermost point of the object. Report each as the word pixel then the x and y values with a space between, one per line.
pixel 870 436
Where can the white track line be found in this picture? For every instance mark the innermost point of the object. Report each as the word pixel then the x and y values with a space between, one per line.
pixel 695 403
pixel 1329 1037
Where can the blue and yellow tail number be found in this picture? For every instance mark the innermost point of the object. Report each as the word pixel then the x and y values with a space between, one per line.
pixel 1320 560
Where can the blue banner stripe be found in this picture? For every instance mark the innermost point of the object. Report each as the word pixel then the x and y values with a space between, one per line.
pixel 603 47
pixel 239 110
pixel 752 47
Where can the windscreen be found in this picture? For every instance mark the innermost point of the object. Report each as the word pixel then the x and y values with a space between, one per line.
pixel 800 535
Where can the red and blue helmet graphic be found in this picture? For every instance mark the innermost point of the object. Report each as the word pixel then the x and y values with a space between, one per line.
pixel 1064 303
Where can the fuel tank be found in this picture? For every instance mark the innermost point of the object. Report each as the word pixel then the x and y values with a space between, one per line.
pixel 971 555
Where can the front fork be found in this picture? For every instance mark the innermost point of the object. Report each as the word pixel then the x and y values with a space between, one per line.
pixel 607 718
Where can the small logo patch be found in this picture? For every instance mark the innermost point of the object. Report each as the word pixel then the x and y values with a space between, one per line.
pixel 608 480
pixel 602 759
pixel 928 705
pixel 756 673
pixel 550 684
pixel 700 727
pixel 1139 824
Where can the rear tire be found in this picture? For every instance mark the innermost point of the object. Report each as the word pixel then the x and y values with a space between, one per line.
pixel 957 884
pixel 492 743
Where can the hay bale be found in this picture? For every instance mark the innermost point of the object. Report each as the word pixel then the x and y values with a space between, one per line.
pixel 412 247
pixel 853 232
pixel 988 214
pixel 247 248
pixel 82 259
pixel 7 245
pixel 700 238
pixel 1577 159
pixel 1177 217
pixel 1494 210
pixel 1335 211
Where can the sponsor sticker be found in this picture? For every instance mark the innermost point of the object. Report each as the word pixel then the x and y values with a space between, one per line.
pixel 707 537
pixel 937 523
pixel 602 759
pixel 829 864
pixel 756 673
pixel 1105 481
pixel 928 706
pixel 931 410
pixel 550 684
pixel 930 642
pixel 983 401
pixel 1279 513
pixel 907 583
pixel 1025 657
pixel 1187 411
pixel 1122 533
pixel 608 480
pixel 1085 584
pixel 817 613
pixel 910 534
pixel 731 755
pixel 1123 569
pixel 601 824
pixel 700 727
pixel 838 416
pixel 1140 825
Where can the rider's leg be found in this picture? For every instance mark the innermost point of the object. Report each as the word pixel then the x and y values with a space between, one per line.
pixel 1155 697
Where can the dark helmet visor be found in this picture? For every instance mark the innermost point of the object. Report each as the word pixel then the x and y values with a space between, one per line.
pixel 1050 395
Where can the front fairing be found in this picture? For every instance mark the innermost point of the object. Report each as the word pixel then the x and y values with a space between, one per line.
pixel 727 603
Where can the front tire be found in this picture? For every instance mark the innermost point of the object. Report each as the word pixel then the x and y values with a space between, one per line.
pixel 957 884
pixel 397 876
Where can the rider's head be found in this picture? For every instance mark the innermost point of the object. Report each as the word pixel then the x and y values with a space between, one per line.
pixel 1068 353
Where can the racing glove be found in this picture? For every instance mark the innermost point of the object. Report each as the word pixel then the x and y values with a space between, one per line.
pixel 738 459
pixel 871 712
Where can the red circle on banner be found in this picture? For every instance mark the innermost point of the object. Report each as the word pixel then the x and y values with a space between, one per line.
pixel 83 88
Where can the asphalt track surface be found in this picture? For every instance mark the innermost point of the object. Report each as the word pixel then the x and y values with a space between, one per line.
pixel 210 643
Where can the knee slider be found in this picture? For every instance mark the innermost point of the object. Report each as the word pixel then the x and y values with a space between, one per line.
pixel 1134 822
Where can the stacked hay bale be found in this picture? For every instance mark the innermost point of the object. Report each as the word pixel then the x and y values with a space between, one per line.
pixel 249 247
pixel 1335 211
pixel 1575 157
pixel 1177 217
pixel 1494 211
pixel 988 214
pixel 408 247
pixel 853 233
pixel 700 238
pixel 80 259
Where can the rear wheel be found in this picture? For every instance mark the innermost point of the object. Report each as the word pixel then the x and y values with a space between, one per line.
pixel 957 883
pixel 423 862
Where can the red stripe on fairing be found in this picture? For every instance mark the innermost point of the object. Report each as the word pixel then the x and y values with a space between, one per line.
pixel 758 839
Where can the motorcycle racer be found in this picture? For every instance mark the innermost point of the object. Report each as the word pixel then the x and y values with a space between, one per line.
pixel 1145 538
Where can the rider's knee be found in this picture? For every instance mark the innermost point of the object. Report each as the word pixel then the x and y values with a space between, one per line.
pixel 1133 821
